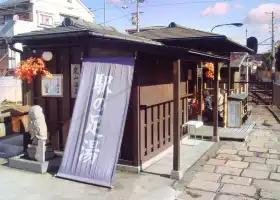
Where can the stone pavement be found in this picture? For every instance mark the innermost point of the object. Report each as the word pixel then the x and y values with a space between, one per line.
pixel 16 184
pixel 247 170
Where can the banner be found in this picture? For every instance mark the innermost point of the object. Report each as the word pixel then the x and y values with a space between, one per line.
pixel 98 120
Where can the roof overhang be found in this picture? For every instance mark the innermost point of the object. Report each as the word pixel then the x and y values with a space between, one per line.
pixel 148 46
pixel 217 44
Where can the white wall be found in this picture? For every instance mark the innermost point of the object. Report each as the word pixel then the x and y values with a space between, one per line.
pixel 56 8
pixel 48 7
pixel 10 89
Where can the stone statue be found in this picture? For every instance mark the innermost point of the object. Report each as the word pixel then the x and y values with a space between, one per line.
pixel 37 126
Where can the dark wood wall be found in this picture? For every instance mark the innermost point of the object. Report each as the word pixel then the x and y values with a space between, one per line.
pixel 156 102
pixel 154 79
pixel 58 111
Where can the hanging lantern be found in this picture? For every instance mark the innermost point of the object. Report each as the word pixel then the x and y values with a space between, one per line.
pixel 47 55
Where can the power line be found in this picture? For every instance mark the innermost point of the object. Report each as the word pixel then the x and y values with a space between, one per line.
pixel 179 3
pixel 123 14
pixel 183 3
pixel 115 19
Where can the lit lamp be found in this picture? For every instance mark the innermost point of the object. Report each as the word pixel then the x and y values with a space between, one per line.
pixel 47 55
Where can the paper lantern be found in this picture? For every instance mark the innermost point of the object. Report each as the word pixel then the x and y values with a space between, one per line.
pixel 47 55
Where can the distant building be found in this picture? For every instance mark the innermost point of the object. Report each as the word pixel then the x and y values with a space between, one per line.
pixel 20 16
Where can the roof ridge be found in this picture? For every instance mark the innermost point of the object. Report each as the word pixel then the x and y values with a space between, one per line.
pixel 184 27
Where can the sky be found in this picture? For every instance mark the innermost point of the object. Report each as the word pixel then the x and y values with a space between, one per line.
pixel 197 14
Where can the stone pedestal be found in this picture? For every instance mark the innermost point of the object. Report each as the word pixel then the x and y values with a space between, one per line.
pixel 40 152
pixel 215 138
pixel 177 175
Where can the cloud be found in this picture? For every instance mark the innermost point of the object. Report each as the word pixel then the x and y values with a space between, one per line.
pixel 217 9
pixel 116 1
pixel 258 15
pixel 238 6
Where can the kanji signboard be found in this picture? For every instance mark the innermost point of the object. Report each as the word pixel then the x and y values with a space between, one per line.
pixel 98 120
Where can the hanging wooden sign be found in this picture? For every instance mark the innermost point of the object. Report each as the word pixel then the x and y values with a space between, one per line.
pixel 75 79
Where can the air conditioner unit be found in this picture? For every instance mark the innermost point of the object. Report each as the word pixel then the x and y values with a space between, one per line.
pixel 15 18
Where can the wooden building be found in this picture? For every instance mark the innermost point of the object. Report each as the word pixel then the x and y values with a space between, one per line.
pixel 164 79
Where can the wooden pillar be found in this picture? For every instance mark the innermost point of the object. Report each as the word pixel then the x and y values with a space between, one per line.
pixel 215 102
pixel 199 90
pixel 176 122
pixel 136 116
pixel 187 101
pixel 229 79
pixel 225 110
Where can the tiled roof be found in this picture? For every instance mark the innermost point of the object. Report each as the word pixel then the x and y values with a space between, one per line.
pixel 174 31
pixel 73 26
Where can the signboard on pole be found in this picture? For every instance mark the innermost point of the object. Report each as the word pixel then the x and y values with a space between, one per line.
pixel 98 120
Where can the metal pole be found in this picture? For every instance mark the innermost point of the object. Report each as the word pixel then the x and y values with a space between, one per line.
pixel 272 43
pixel 247 75
pixel 137 16
pixel 104 12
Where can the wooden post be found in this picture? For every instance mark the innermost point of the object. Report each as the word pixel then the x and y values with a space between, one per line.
pixel 225 110
pixel 187 103
pixel 229 79
pixel 136 117
pixel 199 90
pixel 175 174
pixel 216 102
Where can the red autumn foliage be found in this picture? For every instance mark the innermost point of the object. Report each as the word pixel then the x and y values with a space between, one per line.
pixel 31 67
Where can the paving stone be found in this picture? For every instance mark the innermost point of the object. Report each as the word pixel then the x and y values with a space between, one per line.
pixel 227 151
pixel 204 185
pixel 207 176
pixel 257 143
pixel 230 197
pixel 263 167
pixel 197 194
pixel 275 145
pixel 208 168
pixel 246 153
pixel 258 149
pixel 275 176
pixel 273 162
pixel 254 160
pixel 267 155
pixel 265 199
pixel 256 174
pixel 278 169
pixel 237 164
pixel 227 146
pixel 269 189
pixel 228 157
pixel 228 170
pixel 274 151
pixel 268 185
pixel 260 133
pixel 216 162
pixel 270 195
pixel 237 180
pixel 239 190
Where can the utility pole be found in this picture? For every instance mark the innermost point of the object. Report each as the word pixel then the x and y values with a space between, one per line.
pixel 272 41
pixel 246 34
pixel 137 16
pixel 104 12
